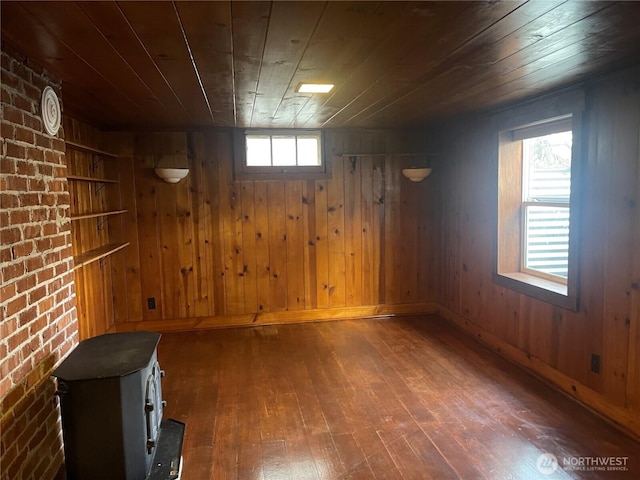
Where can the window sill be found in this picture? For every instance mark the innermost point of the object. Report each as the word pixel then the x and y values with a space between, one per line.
pixel 540 288
pixel 538 282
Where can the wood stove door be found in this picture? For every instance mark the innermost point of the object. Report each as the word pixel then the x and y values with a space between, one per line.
pixel 153 407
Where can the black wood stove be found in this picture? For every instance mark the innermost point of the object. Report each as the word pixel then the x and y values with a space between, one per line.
pixel 111 400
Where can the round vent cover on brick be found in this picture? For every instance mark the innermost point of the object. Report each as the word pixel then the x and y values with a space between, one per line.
pixel 51 114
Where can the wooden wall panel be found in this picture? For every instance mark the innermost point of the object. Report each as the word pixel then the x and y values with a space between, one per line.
pixel 621 106
pixel 210 247
pixel 556 343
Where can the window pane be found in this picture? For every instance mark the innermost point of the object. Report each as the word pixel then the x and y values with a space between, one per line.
pixel 308 151
pixel 258 150
pixel 284 151
pixel 547 167
pixel 547 240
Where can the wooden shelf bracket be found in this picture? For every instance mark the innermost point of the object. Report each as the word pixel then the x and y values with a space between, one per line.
pixel 100 221
pixel 98 187
pixel 95 162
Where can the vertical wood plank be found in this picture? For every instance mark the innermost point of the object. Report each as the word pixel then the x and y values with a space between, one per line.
pixel 231 212
pixel 408 235
pixel 215 229
pixel 249 269
pixel 322 242
pixel 335 234
pixel 200 213
pixel 81 305
pixel 105 279
pixel 295 246
pixel 149 242
pixel 353 223
pixel 309 241
pixel 367 214
pixel 171 287
pixel 263 260
pixel 277 246
pixel 427 206
pixel 184 237
pixel 393 232
pixel 379 229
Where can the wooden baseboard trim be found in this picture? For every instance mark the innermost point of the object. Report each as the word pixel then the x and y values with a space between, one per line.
pixel 276 318
pixel 621 418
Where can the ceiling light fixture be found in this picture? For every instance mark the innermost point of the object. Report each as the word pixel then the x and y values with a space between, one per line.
pixel 314 87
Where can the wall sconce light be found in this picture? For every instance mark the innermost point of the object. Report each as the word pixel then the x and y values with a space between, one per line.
pixel 171 175
pixel 416 174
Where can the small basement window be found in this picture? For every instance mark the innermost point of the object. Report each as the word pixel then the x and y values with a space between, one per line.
pixel 536 238
pixel 279 154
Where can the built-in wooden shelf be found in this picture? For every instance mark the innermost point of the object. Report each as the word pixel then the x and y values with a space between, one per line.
pixel 97 214
pixel 97 253
pixel 85 148
pixel 91 179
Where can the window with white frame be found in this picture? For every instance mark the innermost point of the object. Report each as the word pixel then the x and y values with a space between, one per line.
pixel 290 153
pixel 536 210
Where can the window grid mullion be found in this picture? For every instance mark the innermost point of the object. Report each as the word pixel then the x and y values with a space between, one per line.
pixel 295 141
pixel 271 149
pixel 542 203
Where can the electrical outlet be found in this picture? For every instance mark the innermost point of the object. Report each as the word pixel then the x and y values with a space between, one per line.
pixel 151 303
pixel 595 363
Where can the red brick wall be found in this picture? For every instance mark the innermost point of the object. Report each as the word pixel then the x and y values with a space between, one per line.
pixel 38 325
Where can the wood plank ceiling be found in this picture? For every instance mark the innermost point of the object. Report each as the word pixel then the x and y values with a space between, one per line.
pixel 395 64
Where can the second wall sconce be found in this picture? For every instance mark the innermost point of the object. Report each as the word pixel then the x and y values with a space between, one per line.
pixel 416 174
pixel 171 175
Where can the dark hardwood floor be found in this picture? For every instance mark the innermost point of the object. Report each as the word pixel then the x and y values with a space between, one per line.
pixel 407 398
